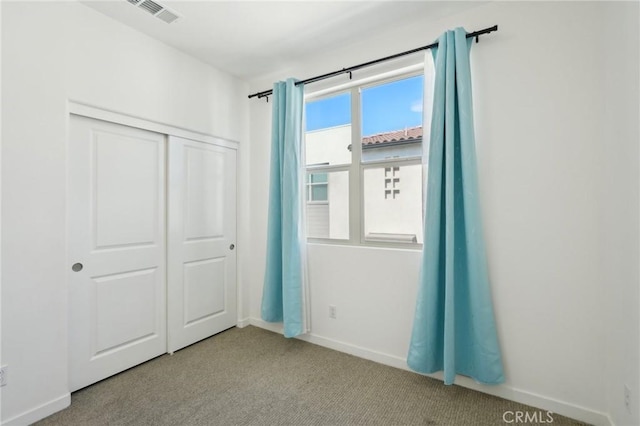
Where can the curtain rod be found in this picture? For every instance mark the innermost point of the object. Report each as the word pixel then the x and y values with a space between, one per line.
pixel 476 34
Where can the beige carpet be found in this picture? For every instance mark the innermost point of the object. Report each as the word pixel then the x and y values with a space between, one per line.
pixel 254 377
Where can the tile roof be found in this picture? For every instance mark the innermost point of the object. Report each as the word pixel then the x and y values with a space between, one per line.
pixel 405 135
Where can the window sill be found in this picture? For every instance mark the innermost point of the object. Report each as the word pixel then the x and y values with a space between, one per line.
pixel 395 245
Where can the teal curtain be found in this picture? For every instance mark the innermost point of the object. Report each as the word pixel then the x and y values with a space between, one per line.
pixel 282 297
pixel 454 329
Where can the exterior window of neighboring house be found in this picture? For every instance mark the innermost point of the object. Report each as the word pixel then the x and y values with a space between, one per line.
pixel 358 142
pixel 317 188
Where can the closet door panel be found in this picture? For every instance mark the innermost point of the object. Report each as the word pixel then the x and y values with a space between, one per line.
pixel 116 248
pixel 202 232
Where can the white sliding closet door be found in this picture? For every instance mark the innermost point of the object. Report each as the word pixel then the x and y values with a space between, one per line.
pixel 201 241
pixel 117 252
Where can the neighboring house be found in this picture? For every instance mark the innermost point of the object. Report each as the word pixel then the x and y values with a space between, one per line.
pixel 392 205
pixel 398 143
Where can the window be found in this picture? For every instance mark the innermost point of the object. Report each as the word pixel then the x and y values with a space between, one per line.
pixel 317 188
pixel 363 157
pixel 327 139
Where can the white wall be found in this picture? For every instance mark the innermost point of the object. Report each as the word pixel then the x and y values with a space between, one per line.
pixel 539 101
pixel 328 145
pixel 52 52
pixel 393 214
pixel 620 214
pixel 1 108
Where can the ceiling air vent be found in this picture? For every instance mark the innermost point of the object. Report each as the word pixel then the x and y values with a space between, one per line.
pixel 156 9
pixel 151 6
pixel 167 16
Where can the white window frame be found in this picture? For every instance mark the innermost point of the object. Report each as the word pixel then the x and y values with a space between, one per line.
pixel 357 168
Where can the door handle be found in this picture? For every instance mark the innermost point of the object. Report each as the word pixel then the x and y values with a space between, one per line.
pixel 232 246
pixel 77 267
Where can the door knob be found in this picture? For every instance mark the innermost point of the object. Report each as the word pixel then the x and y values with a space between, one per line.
pixel 231 247
pixel 77 267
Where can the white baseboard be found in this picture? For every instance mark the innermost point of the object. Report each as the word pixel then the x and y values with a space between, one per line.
pixel 242 323
pixel 276 327
pixel 503 391
pixel 40 412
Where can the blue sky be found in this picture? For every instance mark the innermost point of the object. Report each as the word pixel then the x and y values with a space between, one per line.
pixel 385 107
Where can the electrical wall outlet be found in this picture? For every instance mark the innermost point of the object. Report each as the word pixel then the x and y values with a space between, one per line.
pixel 332 311
pixel 627 397
pixel 3 375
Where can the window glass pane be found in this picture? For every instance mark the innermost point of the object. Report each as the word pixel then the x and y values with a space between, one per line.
pixel 392 119
pixel 328 130
pixel 318 177
pixel 319 193
pixel 328 206
pixel 393 204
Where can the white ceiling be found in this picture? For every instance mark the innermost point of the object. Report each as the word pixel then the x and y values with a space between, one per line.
pixel 254 38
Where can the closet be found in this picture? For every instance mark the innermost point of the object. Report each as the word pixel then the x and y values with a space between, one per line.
pixel 151 245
